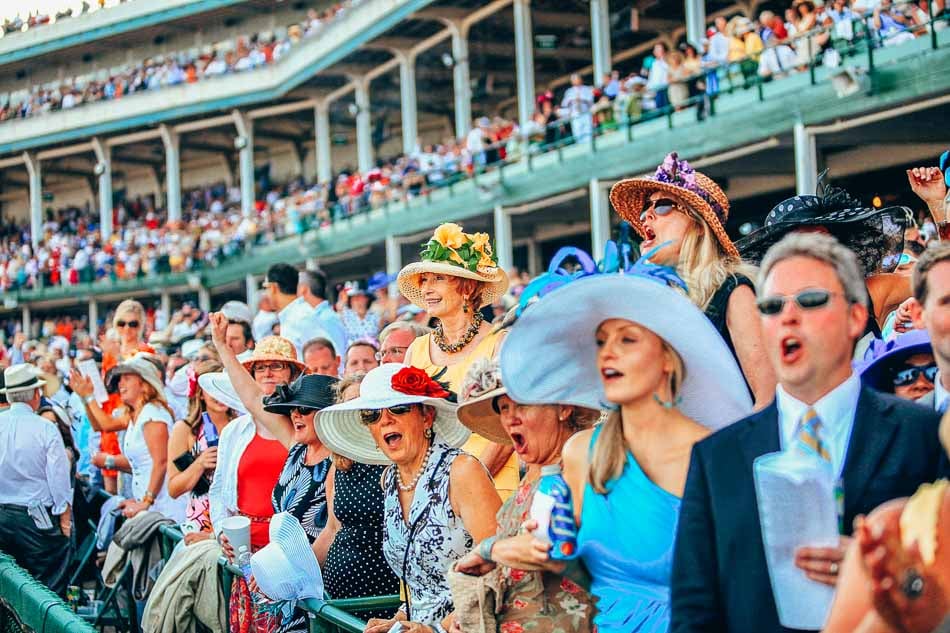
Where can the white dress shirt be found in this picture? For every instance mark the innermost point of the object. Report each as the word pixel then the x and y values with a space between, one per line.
pixel 34 467
pixel 301 323
pixel 836 410
pixel 940 394
pixel 222 496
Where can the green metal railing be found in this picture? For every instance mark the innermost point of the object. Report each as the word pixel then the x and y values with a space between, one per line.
pixel 26 606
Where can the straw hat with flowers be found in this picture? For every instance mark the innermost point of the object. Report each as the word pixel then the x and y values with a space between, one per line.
pixel 451 251
pixel 677 178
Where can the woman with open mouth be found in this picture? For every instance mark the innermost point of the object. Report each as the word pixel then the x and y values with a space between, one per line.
pixel 683 213
pixel 538 434
pixel 643 349
pixel 438 501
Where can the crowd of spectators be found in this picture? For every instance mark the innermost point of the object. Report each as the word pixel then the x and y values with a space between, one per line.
pixel 232 56
pixel 37 18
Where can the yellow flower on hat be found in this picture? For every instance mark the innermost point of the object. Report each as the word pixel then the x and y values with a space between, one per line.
pixel 485 261
pixel 449 235
pixel 455 257
pixel 481 243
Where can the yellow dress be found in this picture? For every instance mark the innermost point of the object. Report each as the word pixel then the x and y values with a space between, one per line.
pixel 506 481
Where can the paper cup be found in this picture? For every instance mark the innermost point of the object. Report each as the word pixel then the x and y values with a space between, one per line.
pixel 238 531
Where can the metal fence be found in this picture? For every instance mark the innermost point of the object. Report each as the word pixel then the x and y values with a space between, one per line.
pixel 26 606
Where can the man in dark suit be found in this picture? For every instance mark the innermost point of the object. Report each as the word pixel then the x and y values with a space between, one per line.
pixel 812 302
pixel 931 311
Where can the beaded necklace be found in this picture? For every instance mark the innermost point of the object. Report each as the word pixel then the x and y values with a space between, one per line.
pixel 453 348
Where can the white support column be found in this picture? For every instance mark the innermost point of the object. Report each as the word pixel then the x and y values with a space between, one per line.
pixel 461 81
pixel 245 143
pixel 204 299
pixel 407 94
pixel 166 304
pixel 93 318
pixel 393 262
pixel 364 127
pixel 251 289
pixel 503 240
pixel 26 321
pixel 600 37
pixel 524 61
pixel 36 197
pixel 322 132
pixel 695 21
pixel 534 258
pixel 104 171
pixel 806 160
pixel 172 144
pixel 599 218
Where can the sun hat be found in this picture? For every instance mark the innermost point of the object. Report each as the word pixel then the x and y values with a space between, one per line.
pixel 881 357
pixel 451 251
pixel 310 391
pixel 550 356
pixel 677 178
pixel 237 311
pixel 390 384
pixel 191 347
pixel 217 385
pixel 274 348
pixel 875 235
pixel 477 410
pixel 143 367
pixel 286 569
pixel 21 377
pixel 379 281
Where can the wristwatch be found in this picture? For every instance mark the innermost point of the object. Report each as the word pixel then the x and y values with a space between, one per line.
pixel 109 462
pixel 89 399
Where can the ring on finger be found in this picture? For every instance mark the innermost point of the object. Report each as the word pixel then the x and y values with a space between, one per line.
pixel 913 585
pixel 833 569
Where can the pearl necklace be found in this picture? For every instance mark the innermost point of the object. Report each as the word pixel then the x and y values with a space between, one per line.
pixel 458 346
pixel 412 484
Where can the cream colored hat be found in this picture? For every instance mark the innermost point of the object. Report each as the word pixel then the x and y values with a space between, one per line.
pixel 21 377
pixel 453 252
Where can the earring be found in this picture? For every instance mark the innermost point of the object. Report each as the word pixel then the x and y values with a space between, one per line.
pixel 465 307
pixel 668 404
pixel 428 434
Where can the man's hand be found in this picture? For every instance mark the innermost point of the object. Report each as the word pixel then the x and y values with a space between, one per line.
pixel 66 523
pixel 822 564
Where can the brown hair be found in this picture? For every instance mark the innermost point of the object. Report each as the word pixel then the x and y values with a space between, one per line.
pixel 344 463
pixel 196 404
pixel 610 451
pixel 934 254
pixel 471 291
pixel 151 397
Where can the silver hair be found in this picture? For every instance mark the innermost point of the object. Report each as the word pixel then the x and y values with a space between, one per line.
pixel 416 329
pixel 21 396
pixel 823 248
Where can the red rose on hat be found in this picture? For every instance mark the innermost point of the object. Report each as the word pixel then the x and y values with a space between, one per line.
pixel 413 381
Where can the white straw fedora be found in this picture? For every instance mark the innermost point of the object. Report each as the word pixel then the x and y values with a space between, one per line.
pixel 341 430
pixel 21 377
pixel 550 354
pixel 217 385
pixel 286 569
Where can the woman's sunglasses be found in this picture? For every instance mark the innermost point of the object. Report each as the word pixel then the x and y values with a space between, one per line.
pixel 131 324
pixel 372 416
pixel 303 411
pixel 662 206
pixel 806 300
pixel 909 375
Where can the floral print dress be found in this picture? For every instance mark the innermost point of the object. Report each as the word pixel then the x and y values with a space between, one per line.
pixel 421 550
pixel 540 602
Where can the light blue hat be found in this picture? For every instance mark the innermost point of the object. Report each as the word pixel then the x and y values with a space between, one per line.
pixel 550 353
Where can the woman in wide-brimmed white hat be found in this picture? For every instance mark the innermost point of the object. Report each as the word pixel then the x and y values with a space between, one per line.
pixel 438 501
pixel 458 276
pixel 643 347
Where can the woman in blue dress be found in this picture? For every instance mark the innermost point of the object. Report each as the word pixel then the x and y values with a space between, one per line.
pixel 643 350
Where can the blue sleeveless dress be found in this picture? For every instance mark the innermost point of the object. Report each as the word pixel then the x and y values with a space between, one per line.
pixel 626 542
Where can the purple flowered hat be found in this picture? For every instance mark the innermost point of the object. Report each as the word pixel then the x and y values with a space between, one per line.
pixel 677 178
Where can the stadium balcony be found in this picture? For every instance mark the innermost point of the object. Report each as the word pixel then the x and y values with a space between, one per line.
pixel 762 139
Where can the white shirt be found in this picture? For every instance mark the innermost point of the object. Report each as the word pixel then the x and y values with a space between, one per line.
pixel 578 100
pixel 135 448
pixel 300 323
pixel 34 467
pixel 234 440
pixel 940 393
pixel 836 410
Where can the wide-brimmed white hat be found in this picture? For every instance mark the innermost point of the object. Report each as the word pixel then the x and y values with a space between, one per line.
pixel 237 311
pixel 217 385
pixel 341 430
pixel 550 353
pixel 144 368
pixel 286 569
pixel 21 377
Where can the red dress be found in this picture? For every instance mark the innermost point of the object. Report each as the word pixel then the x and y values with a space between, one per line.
pixel 258 472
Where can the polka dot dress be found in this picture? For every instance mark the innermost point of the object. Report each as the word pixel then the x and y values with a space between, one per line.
pixel 355 567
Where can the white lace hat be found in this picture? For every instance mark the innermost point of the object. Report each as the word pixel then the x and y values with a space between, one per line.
pixel 286 569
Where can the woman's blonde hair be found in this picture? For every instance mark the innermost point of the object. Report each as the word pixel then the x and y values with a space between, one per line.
pixel 610 452
pixel 151 397
pixel 344 463
pixel 196 404
pixel 131 305
pixel 704 265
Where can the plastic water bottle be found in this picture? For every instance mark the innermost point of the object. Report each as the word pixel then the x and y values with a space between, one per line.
pixel 210 430
pixel 553 510
pixel 244 562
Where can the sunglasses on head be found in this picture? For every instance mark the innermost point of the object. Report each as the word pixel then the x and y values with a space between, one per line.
pixel 660 206
pixel 131 324
pixel 806 300
pixel 909 375
pixel 372 416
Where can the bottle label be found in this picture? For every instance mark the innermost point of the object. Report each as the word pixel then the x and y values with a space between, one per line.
pixel 541 508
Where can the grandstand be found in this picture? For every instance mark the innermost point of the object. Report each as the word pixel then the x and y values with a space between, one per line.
pixel 176 148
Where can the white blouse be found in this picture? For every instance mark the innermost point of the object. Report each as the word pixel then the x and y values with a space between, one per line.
pixel 136 451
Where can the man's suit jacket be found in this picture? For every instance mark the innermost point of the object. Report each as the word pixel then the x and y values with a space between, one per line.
pixel 720 578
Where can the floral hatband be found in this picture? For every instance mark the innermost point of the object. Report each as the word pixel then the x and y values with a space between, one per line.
pixel 680 173
pixel 472 251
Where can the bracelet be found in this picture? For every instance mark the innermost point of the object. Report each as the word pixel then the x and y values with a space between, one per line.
pixel 89 399
pixel 484 548
pixel 109 462
pixel 148 498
